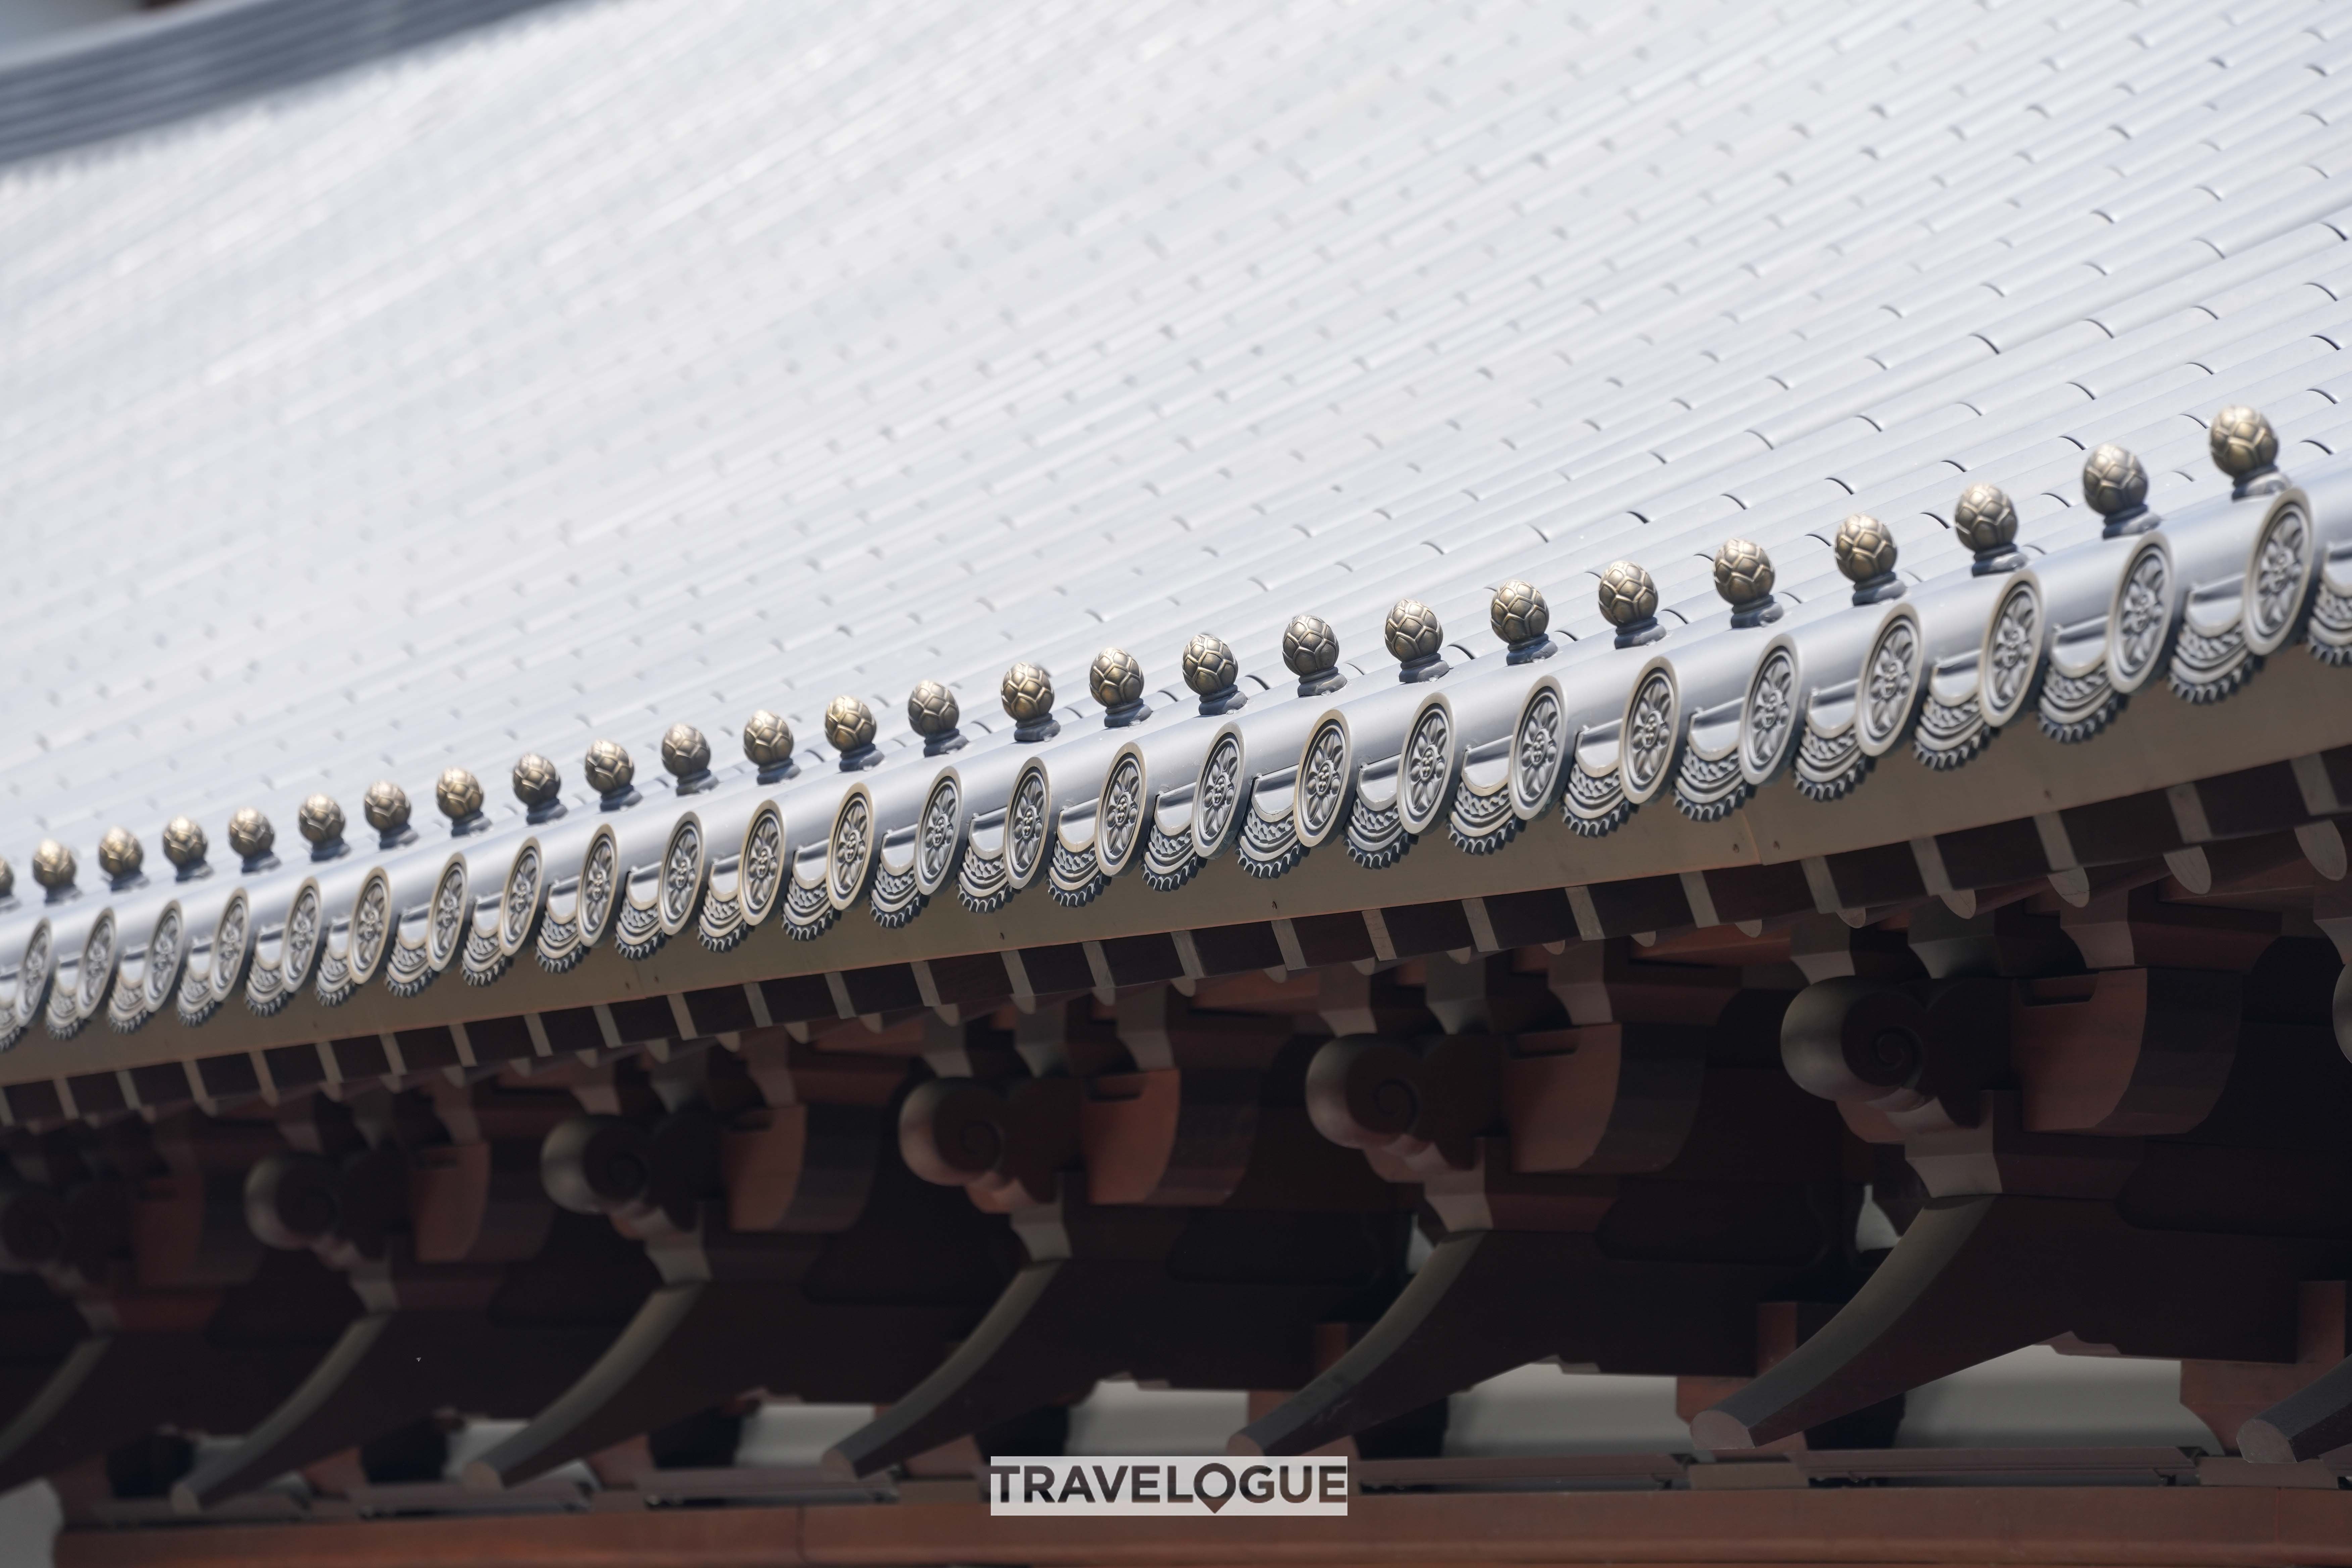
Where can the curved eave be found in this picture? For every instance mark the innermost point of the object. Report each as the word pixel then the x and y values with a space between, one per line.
pixel 2154 749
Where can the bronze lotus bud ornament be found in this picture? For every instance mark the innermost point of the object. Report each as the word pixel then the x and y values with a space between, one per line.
pixel 1310 650
pixel 1864 548
pixel 1628 597
pixel 1115 679
pixel 1213 674
pixel 768 746
pixel 252 838
pixel 609 769
pixel 54 867
pixel 184 844
pixel 119 854
pixel 2114 484
pixel 538 785
pixel 1985 520
pixel 458 794
pixel 320 822
pixel 849 731
pixel 686 757
pixel 1517 613
pixel 385 806
pixel 933 713
pixel 1027 693
pixel 2245 447
pixel 1414 635
pixel 1744 579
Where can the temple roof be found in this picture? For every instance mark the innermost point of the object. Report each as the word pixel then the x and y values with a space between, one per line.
pixel 500 400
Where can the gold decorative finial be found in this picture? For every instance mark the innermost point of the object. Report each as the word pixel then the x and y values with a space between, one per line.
pixel 184 844
pixel 320 821
pixel 1310 648
pixel 119 854
pixel 608 767
pixel 1027 693
pixel 458 794
pixel 767 743
pixel 53 866
pixel 250 835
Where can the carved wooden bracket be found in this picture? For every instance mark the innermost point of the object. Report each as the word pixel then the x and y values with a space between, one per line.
pixel 2128 1052
pixel 1006 1147
pixel 1908 1057
pixel 1487 1300
pixel 2121 1053
pixel 1978 1277
pixel 1198 1299
pixel 1605 1098
pixel 649 1179
pixel 1415 1107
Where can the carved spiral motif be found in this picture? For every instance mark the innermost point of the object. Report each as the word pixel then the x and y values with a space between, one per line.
pixel 1412 631
pixel 2015 645
pixel 1770 713
pixel 2281 565
pixel 608 767
pixel 1323 778
pixel 684 750
pixel 1864 548
pixel 535 779
pixel 1517 613
pixel 120 853
pixel 1428 767
pixel 1743 572
pixel 184 844
pixel 1210 666
pixel 371 924
pixel 1218 793
pixel 1309 646
pixel 938 846
pixel 385 806
pixel 682 873
pixel 228 940
pixel 1115 679
pixel 2143 611
pixel 767 739
pixel 931 708
pixel 848 724
pixel 98 960
pixel 2243 441
pixel 1627 594
pixel 1537 748
pixel 301 936
pixel 53 865
pixel 250 835
pixel 2113 481
pixel 163 957
pixel 1984 518
pixel 1027 692
pixel 447 916
pixel 457 793
pixel 320 820
pixel 33 973
pixel 1890 680
pixel 1120 818
pixel 763 863
pixel 597 882
pixel 1025 826
pixel 852 840
pixel 1649 732
pixel 522 893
